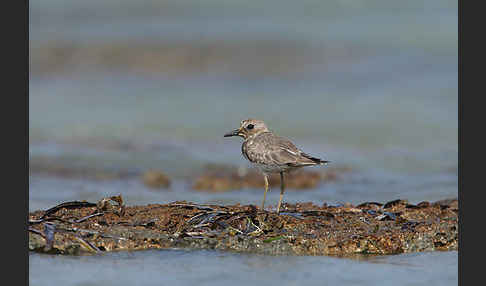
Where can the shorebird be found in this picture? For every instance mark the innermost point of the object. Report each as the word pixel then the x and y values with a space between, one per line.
pixel 271 153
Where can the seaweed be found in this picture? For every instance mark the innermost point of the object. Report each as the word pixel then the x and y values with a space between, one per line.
pixel 303 229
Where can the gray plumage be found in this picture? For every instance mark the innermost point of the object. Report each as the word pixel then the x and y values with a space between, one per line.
pixel 271 153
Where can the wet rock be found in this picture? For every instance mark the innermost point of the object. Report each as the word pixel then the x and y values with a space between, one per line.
pixel 395 203
pixel 423 204
pixel 447 203
pixel 301 229
pixel 370 206
pixel 156 179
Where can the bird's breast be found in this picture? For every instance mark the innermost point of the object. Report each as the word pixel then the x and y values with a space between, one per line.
pixel 248 150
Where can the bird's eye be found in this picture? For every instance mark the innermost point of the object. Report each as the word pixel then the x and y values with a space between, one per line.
pixel 250 126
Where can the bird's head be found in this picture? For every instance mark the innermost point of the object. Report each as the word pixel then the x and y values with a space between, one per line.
pixel 249 127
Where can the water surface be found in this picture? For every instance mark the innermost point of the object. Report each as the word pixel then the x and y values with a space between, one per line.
pixel 201 267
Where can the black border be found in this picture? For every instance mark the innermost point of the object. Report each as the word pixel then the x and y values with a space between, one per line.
pixel 471 203
pixel 24 123
pixel 14 118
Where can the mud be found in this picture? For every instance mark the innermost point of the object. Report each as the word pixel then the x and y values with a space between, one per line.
pixel 210 178
pixel 156 179
pixel 300 229
pixel 222 179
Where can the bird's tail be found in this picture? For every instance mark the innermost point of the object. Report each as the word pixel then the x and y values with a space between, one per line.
pixel 316 160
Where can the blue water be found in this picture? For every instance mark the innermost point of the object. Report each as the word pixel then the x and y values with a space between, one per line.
pixel 179 267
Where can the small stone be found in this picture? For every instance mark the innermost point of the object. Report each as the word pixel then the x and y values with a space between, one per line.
pixel 155 179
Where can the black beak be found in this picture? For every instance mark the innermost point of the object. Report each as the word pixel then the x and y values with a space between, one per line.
pixel 232 133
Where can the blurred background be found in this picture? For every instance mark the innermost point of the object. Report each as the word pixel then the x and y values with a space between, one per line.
pixel 118 88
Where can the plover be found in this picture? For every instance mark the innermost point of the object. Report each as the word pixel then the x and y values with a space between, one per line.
pixel 271 153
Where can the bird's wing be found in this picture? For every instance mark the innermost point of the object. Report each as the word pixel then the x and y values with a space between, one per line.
pixel 282 151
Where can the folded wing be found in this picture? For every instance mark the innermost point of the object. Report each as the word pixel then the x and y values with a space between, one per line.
pixel 282 151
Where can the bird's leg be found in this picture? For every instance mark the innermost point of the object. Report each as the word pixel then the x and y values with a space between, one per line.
pixel 266 189
pixel 282 189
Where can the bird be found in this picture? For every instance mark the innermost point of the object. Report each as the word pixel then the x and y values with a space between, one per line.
pixel 271 153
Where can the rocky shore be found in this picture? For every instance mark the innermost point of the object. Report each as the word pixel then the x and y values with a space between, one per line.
pixel 368 228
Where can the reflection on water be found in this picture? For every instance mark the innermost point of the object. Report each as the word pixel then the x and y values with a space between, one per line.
pixel 181 267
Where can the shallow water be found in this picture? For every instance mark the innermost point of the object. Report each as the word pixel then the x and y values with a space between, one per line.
pixel 201 267
pixel 376 93
pixel 402 146
pixel 46 192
